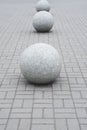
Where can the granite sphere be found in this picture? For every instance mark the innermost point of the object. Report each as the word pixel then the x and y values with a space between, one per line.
pixel 40 63
pixel 43 5
pixel 43 21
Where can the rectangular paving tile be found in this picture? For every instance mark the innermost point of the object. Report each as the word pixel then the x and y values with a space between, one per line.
pixel 58 106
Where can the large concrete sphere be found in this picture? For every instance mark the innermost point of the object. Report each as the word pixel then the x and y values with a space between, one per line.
pixel 40 63
pixel 43 21
pixel 43 5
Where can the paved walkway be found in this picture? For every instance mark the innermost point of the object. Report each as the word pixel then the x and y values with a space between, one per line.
pixel 58 106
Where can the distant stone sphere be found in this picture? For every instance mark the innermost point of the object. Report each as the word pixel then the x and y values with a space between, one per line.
pixel 43 21
pixel 40 63
pixel 43 5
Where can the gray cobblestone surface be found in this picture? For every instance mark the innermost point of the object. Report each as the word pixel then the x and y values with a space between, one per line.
pixel 58 106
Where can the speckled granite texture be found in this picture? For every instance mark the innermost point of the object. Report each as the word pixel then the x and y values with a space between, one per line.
pixel 40 63
pixel 42 5
pixel 43 21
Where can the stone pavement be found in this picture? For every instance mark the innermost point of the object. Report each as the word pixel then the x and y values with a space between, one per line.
pixel 58 106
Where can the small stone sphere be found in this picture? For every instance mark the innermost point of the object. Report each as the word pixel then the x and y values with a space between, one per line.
pixel 43 5
pixel 40 63
pixel 43 21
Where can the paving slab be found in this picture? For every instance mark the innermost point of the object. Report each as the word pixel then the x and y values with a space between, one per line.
pixel 58 106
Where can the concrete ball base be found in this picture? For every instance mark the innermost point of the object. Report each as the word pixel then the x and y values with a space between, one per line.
pixel 40 63
pixel 43 21
pixel 43 5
